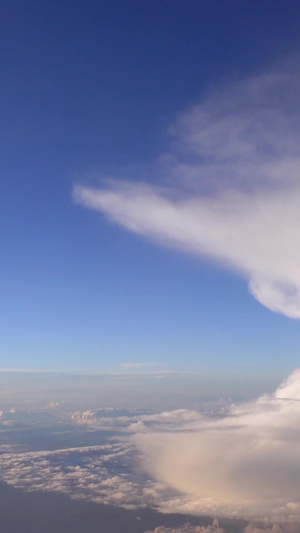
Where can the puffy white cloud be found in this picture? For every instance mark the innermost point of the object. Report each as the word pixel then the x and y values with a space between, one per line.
pixel 104 474
pixel 187 528
pixel 231 188
pixel 245 464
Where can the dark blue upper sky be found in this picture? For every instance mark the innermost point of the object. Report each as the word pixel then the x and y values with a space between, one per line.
pixel 90 89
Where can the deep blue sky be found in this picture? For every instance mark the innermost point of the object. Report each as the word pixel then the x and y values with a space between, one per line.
pixel 89 89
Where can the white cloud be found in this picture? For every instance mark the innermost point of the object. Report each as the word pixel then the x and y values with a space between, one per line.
pixel 140 422
pixel 187 528
pixel 231 187
pixel 104 474
pixel 246 463
pixel 238 461
pixel 139 365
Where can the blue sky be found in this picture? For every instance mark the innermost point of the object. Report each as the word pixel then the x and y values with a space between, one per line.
pixel 90 91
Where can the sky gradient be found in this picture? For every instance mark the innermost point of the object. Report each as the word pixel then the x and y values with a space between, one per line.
pixel 140 94
pixel 150 285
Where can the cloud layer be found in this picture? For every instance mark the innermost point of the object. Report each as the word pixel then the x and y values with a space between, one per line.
pixel 237 461
pixel 103 474
pixel 230 188
pixel 215 528
pixel 245 463
pixel 187 528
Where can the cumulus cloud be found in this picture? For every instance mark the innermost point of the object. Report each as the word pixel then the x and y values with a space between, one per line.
pixel 230 188
pixel 246 463
pixel 241 461
pixel 187 528
pixel 104 474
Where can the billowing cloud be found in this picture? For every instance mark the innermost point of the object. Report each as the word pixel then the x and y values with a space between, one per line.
pixel 234 461
pixel 230 189
pixel 245 463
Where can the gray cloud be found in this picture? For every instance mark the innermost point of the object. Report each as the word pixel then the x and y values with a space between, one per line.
pixel 231 188
pixel 274 528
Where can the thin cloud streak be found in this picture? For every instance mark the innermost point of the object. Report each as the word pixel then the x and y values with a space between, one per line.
pixel 139 365
pixel 231 189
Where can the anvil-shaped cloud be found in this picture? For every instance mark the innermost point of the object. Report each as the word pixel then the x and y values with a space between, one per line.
pixel 231 187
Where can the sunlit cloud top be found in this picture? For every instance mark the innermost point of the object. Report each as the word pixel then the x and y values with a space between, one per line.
pixel 231 188
pixel 245 463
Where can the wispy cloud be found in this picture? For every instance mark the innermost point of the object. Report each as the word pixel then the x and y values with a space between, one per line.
pixel 139 365
pixel 230 189
pixel 27 370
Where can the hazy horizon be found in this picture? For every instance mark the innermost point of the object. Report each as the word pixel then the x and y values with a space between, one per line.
pixel 150 283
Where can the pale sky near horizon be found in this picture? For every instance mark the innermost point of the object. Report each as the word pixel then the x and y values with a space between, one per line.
pixel 177 123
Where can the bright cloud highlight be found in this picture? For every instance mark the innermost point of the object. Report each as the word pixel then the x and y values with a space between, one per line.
pixel 245 463
pixel 231 188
